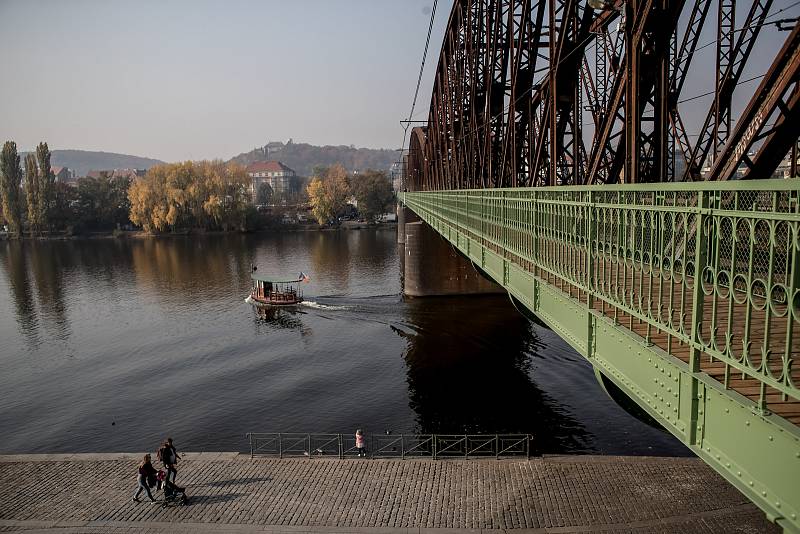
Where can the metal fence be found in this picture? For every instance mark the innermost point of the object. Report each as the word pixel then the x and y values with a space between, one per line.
pixel 402 446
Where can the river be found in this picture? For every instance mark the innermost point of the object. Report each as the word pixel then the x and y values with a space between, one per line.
pixel 113 344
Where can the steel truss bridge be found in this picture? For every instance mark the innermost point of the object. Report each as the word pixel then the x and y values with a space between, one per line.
pixel 556 157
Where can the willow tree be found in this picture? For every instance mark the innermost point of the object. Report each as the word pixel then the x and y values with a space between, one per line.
pixel 44 192
pixel 32 191
pixel 10 178
pixel 203 194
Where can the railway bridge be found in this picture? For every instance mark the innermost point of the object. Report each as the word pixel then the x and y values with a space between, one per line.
pixel 566 156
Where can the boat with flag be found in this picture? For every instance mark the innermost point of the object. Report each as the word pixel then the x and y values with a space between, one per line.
pixel 276 291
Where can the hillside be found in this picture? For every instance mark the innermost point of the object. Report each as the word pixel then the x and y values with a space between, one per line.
pixel 82 161
pixel 302 157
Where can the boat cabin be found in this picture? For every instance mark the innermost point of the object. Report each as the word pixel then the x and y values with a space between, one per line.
pixel 275 292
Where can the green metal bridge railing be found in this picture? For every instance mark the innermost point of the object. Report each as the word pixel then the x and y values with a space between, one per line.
pixel 686 296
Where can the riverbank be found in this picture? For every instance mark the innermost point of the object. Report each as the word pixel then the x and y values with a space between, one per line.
pixel 231 492
pixel 141 234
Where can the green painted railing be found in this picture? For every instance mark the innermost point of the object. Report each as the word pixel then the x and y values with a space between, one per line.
pixel 639 249
pixel 686 296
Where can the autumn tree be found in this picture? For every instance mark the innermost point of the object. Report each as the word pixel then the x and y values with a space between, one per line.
pixel 10 178
pixel 373 191
pixel 44 190
pixel 328 193
pixel 32 191
pixel 204 194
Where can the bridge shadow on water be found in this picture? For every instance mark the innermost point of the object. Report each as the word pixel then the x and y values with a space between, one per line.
pixel 470 368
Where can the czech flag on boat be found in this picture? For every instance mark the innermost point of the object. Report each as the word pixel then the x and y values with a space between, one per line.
pixel 304 278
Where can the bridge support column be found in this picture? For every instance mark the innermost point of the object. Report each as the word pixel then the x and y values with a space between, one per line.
pixel 404 215
pixel 432 267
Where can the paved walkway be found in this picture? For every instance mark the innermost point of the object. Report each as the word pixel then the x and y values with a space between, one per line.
pixel 232 493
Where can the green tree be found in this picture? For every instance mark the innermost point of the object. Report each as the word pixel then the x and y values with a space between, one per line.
pixel 32 192
pixel 62 213
pixel 44 193
pixel 264 195
pixel 10 178
pixel 373 191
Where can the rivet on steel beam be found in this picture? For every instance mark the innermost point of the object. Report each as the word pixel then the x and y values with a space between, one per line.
pixel 727 410
pixel 771 438
pixel 738 473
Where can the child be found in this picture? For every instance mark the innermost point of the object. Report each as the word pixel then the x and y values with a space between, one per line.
pixel 362 451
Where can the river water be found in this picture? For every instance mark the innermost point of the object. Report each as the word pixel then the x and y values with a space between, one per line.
pixel 111 345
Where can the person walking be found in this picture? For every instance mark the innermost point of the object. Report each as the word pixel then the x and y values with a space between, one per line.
pixel 146 471
pixel 168 455
pixel 362 451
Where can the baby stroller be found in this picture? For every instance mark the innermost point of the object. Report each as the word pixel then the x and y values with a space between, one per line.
pixel 173 494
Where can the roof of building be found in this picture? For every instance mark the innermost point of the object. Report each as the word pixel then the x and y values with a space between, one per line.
pixel 268 166
pixel 56 169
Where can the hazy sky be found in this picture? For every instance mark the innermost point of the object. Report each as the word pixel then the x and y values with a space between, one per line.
pixel 198 79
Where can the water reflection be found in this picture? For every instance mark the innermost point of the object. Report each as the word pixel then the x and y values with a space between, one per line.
pixel 330 256
pixel 469 370
pixel 287 318
pixel 16 268
pixel 49 264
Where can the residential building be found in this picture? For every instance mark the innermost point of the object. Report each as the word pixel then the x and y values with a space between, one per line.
pixel 64 175
pixel 279 177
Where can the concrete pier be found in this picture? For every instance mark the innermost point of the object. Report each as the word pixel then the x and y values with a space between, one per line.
pixel 231 493
pixel 432 267
pixel 404 215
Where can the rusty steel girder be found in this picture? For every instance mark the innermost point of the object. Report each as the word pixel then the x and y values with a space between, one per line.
pixel 554 92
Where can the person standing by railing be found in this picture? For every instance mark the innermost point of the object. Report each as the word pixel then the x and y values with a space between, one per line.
pixel 362 450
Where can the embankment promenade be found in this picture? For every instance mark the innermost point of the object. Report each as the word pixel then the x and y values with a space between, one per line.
pixel 229 492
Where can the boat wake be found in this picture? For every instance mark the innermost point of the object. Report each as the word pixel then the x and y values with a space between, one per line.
pixel 318 306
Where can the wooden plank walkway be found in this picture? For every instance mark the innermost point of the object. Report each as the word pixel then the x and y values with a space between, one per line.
pixel 232 493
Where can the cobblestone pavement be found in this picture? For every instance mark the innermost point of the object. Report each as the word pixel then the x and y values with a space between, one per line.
pixel 232 493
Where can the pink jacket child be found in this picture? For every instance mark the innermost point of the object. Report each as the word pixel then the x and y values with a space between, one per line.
pixel 362 451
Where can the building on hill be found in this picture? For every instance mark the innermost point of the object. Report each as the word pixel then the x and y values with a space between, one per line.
pixel 63 174
pixel 276 174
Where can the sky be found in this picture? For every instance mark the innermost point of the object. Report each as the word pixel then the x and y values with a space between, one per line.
pixel 181 79
pixel 178 80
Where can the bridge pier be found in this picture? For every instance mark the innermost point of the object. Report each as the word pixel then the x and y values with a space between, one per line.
pixel 432 267
pixel 404 215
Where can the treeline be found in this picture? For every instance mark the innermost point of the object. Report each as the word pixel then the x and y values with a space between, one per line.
pixel 332 187
pixel 303 157
pixel 33 201
pixel 206 194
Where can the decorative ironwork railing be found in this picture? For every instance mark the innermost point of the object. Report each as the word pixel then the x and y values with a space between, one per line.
pixel 434 446
pixel 705 267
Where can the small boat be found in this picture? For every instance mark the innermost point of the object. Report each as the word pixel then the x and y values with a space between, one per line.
pixel 276 292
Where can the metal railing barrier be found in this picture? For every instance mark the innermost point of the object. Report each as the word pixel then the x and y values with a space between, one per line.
pixel 402 446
